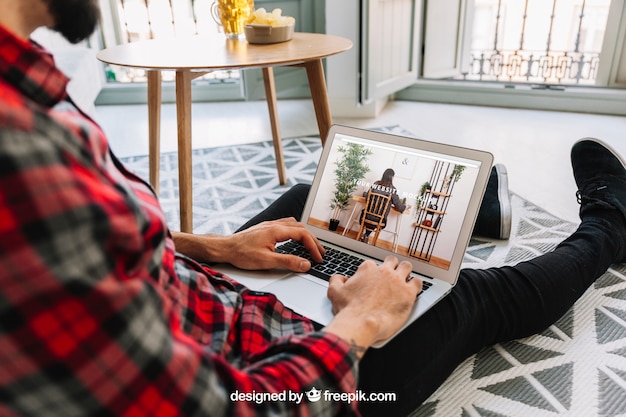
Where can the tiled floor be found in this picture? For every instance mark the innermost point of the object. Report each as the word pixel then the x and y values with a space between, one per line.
pixel 533 145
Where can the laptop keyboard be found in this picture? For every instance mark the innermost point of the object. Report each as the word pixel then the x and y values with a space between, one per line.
pixel 335 261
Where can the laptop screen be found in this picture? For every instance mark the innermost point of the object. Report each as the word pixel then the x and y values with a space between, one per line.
pixel 426 195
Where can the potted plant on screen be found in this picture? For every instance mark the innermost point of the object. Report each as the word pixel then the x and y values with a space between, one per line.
pixel 419 199
pixel 351 166
pixel 454 176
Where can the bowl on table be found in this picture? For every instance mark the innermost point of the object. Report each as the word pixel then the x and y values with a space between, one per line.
pixel 261 33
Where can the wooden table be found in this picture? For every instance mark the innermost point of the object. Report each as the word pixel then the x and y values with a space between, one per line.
pixel 191 57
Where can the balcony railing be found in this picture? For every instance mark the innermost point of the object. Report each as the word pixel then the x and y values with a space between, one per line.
pixel 554 67
pixel 537 41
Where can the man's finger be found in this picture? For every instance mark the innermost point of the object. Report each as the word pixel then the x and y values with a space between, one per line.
pixel 291 262
pixel 314 247
pixel 287 220
pixel 415 283
pixel 337 279
pixel 391 259
pixel 404 268
pixel 335 283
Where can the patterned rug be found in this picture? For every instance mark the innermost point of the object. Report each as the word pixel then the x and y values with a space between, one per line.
pixel 231 184
pixel 575 368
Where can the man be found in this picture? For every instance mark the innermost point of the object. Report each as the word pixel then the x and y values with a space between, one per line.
pixel 100 316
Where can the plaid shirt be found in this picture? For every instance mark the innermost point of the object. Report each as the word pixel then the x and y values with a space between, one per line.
pixel 98 314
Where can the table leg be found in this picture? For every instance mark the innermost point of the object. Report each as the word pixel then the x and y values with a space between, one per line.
pixel 270 95
pixel 319 94
pixel 350 219
pixel 154 127
pixel 395 235
pixel 183 117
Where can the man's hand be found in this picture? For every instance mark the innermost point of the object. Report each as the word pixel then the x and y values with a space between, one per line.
pixel 253 248
pixel 374 303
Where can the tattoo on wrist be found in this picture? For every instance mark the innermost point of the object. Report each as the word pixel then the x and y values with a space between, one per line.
pixel 356 348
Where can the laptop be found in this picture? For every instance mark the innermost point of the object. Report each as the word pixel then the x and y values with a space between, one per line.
pixel 442 186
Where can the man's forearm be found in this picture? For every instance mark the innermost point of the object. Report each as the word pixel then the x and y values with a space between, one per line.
pixel 202 248
pixel 358 331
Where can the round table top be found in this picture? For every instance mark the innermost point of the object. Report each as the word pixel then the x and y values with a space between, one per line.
pixel 205 53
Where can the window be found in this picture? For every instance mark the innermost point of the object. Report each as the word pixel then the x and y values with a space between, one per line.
pixel 126 21
pixel 130 20
pixel 555 42
pixel 567 55
pixel 545 42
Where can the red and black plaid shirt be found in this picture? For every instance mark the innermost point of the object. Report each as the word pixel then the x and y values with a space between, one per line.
pixel 98 314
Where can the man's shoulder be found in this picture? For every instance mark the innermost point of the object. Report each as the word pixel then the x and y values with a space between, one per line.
pixel 15 111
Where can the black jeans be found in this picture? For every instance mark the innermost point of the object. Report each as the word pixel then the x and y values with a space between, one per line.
pixel 485 307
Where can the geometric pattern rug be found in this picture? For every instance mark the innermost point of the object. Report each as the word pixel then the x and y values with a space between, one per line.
pixel 575 368
pixel 231 184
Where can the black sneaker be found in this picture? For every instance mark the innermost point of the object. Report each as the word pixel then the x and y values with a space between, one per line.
pixel 600 175
pixel 494 215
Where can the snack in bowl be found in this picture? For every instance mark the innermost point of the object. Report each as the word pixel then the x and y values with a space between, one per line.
pixel 264 27
pixel 275 18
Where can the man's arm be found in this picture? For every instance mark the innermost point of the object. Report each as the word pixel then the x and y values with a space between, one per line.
pixel 364 313
pixel 91 308
pixel 372 305
pixel 252 248
pixel 90 304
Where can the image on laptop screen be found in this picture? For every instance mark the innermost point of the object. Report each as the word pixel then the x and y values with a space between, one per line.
pixel 409 201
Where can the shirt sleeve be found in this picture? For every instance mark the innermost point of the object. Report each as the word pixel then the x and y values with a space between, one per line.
pixel 86 327
pixel 397 203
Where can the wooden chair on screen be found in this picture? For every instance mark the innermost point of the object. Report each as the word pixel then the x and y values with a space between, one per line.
pixel 374 214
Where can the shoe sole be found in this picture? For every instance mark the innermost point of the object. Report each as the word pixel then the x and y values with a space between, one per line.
pixel 505 201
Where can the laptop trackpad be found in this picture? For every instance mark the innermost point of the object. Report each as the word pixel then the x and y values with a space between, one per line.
pixel 304 296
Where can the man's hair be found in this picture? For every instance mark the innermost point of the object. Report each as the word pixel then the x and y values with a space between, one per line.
pixel 76 20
